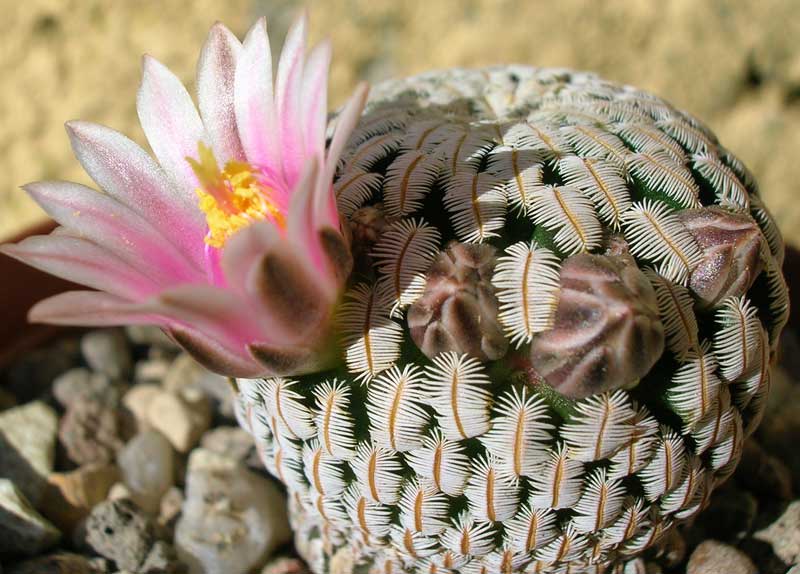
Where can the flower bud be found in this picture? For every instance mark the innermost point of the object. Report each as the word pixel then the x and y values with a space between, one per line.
pixel 607 332
pixel 458 310
pixel 732 244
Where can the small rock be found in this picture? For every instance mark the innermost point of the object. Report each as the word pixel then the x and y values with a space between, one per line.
pixel 24 531
pixel 182 419
pixel 170 509
pixel 232 519
pixel 712 557
pixel 763 474
pixel 161 560
pixel 147 468
pixel 137 400
pixel 70 496
pixel 80 384
pixel 107 351
pixel 286 565
pixel 121 532
pixel 151 370
pixel 27 447
pixel 784 534
pixel 186 373
pixel 61 563
pixel 229 441
pixel 119 491
pixel 183 372
pixel 92 431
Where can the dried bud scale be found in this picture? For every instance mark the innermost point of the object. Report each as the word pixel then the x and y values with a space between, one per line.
pixel 534 256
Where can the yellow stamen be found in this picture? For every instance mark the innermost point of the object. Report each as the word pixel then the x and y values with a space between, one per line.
pixel 231 198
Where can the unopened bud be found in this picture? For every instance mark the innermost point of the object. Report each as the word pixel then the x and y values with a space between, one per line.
pixel 458 310
pixel 607 332
pixel 732 244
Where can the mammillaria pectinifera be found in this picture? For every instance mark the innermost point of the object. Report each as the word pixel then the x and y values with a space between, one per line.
pixel 555 343
pixel 511 320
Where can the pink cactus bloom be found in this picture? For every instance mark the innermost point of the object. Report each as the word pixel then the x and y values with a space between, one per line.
pixel 231 242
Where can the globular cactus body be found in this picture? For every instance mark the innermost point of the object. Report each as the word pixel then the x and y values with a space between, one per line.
pixel 557 335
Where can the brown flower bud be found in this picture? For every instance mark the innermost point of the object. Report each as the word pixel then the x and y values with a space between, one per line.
pixel 607 332
pixel 458 310
pixel 732 244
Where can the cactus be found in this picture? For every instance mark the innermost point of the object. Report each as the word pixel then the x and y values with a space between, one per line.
pixel 557 334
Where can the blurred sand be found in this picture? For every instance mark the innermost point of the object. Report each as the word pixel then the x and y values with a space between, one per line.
pixel 733 63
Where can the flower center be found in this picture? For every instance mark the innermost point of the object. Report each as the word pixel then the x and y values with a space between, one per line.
pixel 232 197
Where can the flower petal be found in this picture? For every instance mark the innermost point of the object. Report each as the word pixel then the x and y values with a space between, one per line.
pixel 218 313
pixel 289 85
pixel 290 360
pixel 253 100
pixel 245 249
pixel 348 119
pixel 315 99
pixel 84 262
pixel 127 173
pixel 302 226
pixel 292 295
pixel 345 123
pixel 170 121
pixel 216 72
pixel 107 222
pixel 89 309
pixel 216 357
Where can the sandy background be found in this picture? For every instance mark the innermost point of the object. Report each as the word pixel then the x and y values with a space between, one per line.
pixel 734 63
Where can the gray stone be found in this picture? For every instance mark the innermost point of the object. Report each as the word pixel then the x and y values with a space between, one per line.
pixel 784 534
pixel 27 447
pixel 147 466
pixel 232 519
pixel 120 531
pixel 22 529
pixel 107 351
pixel 712 557
pixel 229 441
pixel 93 431
pixel 81 384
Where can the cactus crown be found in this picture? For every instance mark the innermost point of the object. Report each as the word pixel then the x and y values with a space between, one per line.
pixel 557 334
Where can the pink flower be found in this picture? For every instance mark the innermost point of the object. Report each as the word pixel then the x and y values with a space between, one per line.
pixel 232 241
